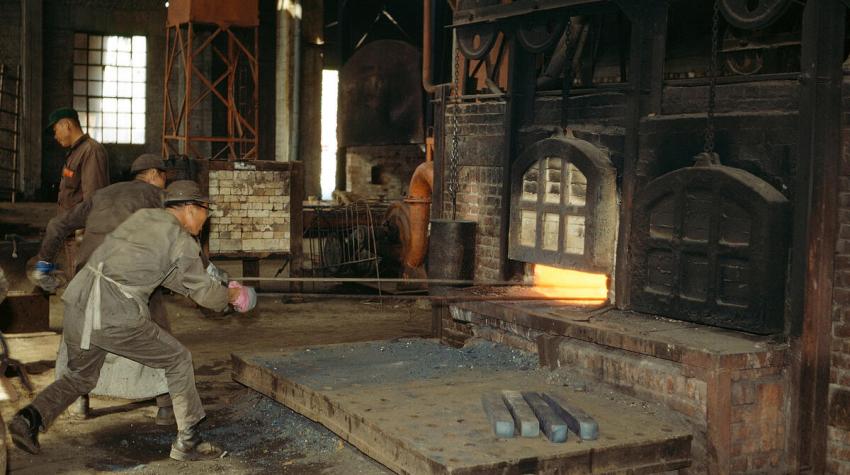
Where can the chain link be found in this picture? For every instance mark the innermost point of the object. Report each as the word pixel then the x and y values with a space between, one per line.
pixel 454 160
pixel 712 78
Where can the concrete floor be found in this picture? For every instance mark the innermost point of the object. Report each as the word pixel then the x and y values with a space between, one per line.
pixel 260 435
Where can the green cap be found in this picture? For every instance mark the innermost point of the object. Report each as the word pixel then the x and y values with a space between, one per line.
pixel 59 114
pixel 146 161
pixel 185 191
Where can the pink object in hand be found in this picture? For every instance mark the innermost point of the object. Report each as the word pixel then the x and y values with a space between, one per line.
pixel 247 298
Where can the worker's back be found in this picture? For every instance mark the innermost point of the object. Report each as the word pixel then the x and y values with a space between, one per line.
pixel 111 206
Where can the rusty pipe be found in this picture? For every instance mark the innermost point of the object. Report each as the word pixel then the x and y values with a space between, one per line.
pixel 427 21
pixel 419 204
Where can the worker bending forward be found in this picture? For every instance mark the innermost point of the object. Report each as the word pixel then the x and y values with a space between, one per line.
pixel 106 311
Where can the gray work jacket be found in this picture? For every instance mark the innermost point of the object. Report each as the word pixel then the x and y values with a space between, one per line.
pixel 148 250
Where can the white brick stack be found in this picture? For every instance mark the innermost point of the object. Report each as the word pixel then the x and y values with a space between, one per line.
pixel 252 211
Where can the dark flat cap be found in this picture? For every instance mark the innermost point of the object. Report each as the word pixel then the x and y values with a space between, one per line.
pixel 185 191
pixel 146 161
pixel 59 114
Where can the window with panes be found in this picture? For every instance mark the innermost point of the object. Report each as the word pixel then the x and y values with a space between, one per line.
pixel 110 86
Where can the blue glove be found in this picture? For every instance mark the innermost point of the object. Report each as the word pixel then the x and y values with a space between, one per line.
pixel 45 267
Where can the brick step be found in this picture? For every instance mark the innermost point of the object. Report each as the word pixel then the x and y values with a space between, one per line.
pixel 728 386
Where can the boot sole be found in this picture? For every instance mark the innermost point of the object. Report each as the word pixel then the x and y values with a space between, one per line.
pixel 23 442
pixel 165 422
pixel 193 456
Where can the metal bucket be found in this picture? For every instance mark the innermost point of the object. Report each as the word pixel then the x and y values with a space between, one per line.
pixel 451 249
pixel 451 255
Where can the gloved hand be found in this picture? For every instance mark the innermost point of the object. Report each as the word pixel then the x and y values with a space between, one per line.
pixel 247 298
pixel 217 274
pixel 45 267
pixel 45 275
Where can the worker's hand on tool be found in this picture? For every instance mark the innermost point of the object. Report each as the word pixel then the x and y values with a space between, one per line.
pixel 45 267
pixel 44 275
pixel 242 298
pixel 217 274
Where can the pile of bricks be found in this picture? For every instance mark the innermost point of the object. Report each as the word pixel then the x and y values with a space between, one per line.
pixel 252 211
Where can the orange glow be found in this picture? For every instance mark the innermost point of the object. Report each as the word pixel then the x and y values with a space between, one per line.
pixel 571 284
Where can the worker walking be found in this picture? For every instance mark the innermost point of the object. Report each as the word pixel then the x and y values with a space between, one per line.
pixel 100 214
pixel 106 311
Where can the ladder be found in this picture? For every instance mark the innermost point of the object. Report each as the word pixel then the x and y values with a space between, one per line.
pixel 10 115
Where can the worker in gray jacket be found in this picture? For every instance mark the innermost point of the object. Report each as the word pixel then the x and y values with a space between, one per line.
pixel 106 311
pixel 100 214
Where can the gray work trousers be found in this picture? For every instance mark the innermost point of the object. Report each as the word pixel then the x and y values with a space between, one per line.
pixel 146 343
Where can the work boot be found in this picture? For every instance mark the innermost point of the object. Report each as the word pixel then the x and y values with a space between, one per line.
pixel 24 429
pixel 165 416
pixel 188 446
pixel 80 408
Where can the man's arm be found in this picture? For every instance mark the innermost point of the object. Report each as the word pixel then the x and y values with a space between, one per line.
pixel 60 227
pixel 190 278
pixel 94 171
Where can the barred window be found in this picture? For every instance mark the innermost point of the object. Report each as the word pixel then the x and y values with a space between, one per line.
pixel 109 86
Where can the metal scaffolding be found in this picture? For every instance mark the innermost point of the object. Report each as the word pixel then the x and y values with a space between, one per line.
pixel 211 71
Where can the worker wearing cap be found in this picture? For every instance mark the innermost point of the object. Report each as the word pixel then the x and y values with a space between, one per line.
pixel 85 171
pixel 86 168
pixel 106 311
pixel 100 214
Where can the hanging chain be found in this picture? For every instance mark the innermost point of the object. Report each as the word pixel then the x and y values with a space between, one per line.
pixel 455 154
pixel 712 78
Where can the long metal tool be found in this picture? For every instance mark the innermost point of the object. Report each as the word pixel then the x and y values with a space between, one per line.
pixel 437 298
pixel 375 280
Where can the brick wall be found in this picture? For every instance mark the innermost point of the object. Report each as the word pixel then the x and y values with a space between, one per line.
pixel 252 211
pixel 382 171
pixel 596 118
pixel 838 451
pixel 752 97
pixel 481 142
pixel 763 144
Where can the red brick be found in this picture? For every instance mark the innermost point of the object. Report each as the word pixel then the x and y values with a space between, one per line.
pixel 842 261
pixel 841 330
pixel 765 460
pixel 839 436
pixel 841 296
pixel 842 278
pixel 837 467
pixel 743 393
pixel 838 452
pixel 738 464
pixel 840 360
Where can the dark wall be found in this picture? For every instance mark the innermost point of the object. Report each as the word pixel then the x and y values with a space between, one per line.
pixel 756 130
pixel 10 32
pixel 121 17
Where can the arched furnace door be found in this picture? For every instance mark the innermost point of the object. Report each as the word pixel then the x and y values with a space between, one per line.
pixel 564 206
pixel 708 246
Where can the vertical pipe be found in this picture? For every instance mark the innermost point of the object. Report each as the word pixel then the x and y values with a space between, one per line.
pixel 166 91
pixel 32 59
pixel 295 128
pixel 255 97
pixel 283 97
pixel 427 26
pixel 189 53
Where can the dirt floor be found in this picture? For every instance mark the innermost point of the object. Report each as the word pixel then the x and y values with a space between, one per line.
pixel 260 435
